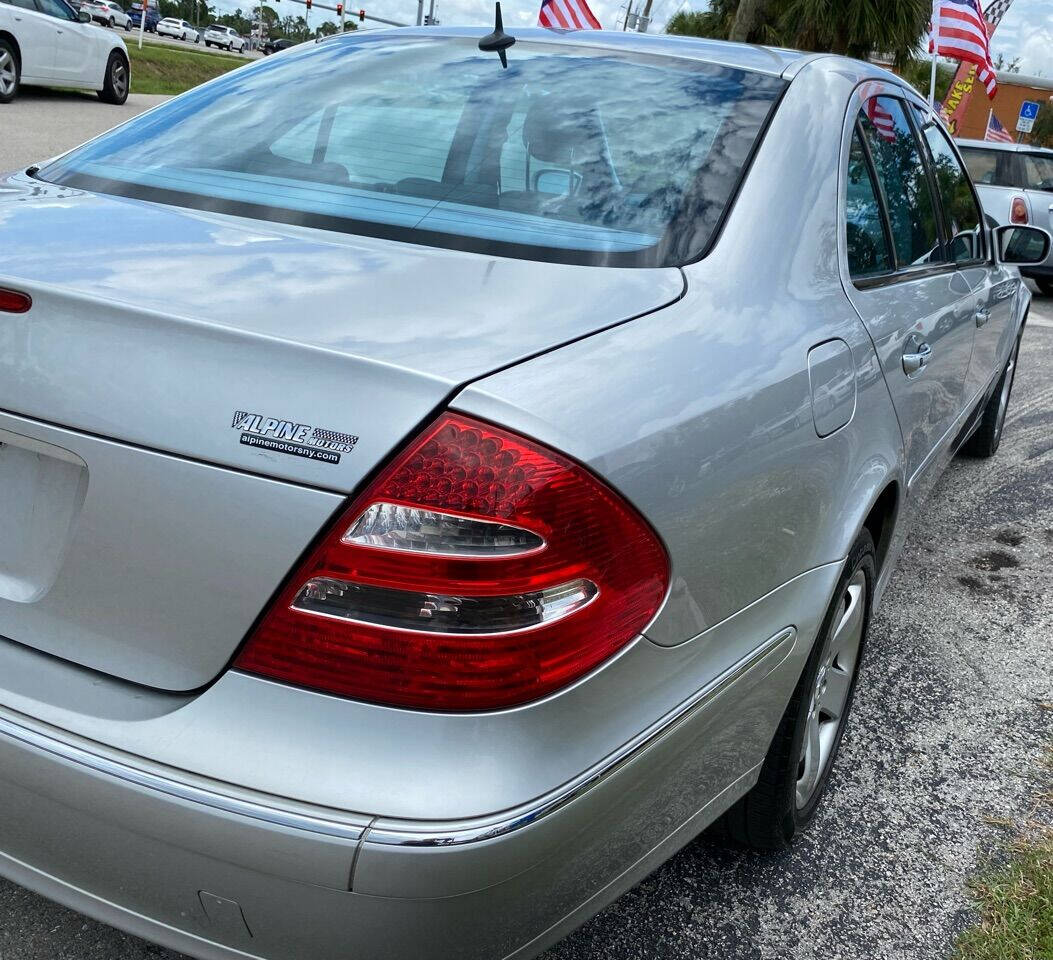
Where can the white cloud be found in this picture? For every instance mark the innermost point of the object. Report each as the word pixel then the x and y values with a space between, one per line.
pixel 1026 31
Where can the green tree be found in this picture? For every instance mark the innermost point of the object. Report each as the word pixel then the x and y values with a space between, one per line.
pixel 855 28
pixel 1042 132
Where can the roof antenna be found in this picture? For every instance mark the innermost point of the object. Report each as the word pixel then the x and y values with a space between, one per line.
pixel 498 41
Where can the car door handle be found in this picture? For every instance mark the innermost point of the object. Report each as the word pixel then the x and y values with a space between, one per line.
pixel 917 360
pixel 982 316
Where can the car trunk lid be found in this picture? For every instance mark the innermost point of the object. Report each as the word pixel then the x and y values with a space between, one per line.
pixel 192 396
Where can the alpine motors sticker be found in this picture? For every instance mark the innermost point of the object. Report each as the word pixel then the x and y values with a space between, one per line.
pixel 295 439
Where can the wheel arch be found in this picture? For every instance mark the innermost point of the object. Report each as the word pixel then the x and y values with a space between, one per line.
pixel 10 38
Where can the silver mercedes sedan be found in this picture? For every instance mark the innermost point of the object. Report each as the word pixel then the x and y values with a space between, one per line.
pixel 505 500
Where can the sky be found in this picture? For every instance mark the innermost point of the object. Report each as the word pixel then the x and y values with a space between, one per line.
pixel 1026 30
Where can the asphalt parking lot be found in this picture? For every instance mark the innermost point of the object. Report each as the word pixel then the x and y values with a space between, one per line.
pixel 954 710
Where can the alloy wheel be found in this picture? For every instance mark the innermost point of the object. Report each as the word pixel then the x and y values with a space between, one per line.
pixel 8 74
pixel 831 690
pixel 119 78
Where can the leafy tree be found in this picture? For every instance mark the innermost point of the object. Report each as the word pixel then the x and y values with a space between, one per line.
pixel 856 28
pixel 1042 131
pixel 1006 66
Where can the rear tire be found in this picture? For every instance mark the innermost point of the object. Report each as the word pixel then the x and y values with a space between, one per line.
pixel 10 72
pixel 117 81
pixel 988 435
pixel 796 771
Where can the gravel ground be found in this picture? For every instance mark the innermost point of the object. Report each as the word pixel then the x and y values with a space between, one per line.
pixel 948 724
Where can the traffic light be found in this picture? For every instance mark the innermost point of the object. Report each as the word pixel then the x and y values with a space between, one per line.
pixel 307 3
pixel 361 16
pixel 339 9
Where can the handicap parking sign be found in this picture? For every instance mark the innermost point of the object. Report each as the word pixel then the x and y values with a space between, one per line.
pixel 1028 113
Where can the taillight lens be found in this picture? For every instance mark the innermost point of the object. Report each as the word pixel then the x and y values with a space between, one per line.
pixel 1018 211
pixel 12 301
pixel 479 570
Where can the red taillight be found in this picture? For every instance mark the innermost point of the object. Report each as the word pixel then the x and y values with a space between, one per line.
pixel 1018 211
pixel 11 301
pixel 479 570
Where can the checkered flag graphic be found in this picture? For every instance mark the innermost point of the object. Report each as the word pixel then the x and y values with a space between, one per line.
pixel 240 416
pixel 995 11
pixel 334 436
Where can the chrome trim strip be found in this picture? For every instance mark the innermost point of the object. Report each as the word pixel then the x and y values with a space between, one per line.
pixel 435 836
pixel 224 803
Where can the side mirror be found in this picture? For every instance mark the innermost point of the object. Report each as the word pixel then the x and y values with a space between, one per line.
pixel 83 16
pixel 1021 245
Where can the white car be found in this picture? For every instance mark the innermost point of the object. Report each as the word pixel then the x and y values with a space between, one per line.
pixel 180 29
pixel 108 13
pixel 48 43
pixel 225 37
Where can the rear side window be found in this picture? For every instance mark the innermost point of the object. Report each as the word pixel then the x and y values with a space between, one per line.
pixel 1038 171
pixel 868 252
pixel 961 214
pixel 904 181
pixel 995 168
pixel 574 154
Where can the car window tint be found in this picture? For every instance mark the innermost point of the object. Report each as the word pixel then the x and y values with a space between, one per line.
pixel 868 252
pixel 1038 171
pixel 960 211
pixel 992 167
pixel 423 141
pixel 904 181
pixel 56 8
pixel 24 4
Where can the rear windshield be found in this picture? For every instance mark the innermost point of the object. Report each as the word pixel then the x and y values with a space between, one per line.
pixel 572 153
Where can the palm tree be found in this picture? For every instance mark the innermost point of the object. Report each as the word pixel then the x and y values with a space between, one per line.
pixel 856 28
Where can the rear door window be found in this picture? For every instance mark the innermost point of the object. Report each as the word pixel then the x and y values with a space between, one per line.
pixel 904 181
pixel 868 251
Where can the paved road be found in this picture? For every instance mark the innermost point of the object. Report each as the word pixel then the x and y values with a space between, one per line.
pixel 945 739
pixel 133 38
pixel 41 123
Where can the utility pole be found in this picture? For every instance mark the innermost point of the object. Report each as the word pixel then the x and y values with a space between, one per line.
pixel 628 14
pixel 431 14
pixel 645 20
pixel 420 12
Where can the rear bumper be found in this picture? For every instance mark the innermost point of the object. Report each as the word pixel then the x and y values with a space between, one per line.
pixel 218 872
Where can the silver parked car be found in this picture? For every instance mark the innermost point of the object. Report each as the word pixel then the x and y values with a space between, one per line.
pixel 1015 184
pixel 505 504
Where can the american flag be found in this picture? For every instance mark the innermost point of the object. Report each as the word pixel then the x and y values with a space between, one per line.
pixel 883 122
pixel 567 15
pixel 962 33
pixel 995 131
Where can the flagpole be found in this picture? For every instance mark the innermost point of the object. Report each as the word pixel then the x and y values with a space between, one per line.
pixel 935 52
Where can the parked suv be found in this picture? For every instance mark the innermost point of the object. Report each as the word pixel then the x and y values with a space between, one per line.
pixel 1015 183
pixel 152 16
pixel 226 37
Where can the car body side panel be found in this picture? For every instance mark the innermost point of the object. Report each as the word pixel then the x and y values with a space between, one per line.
pixel 701 414
pixel 36 41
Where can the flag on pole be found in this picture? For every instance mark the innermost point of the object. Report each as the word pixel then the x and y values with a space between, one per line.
pixel 962 34
pixel 995 131
pixel 995 11
pixel 567 15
